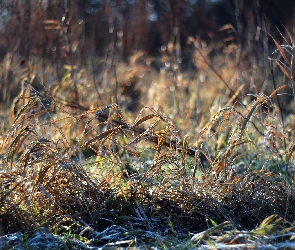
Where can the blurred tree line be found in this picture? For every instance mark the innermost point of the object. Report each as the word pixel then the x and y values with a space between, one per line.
pixel 63 30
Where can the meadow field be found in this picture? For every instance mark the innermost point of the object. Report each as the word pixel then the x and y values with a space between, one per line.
pixel 173 150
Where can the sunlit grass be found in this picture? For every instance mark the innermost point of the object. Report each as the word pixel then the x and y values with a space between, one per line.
pixel 188 163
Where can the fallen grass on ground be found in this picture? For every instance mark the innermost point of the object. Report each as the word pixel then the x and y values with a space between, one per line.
pixel 90 175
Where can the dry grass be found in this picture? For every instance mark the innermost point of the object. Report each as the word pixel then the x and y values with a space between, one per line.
pixel 70 163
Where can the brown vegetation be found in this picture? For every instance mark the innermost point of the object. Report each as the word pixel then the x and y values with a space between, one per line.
pixel 114 133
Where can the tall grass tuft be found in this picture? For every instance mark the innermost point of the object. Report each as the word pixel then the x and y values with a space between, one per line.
pixel 92 169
